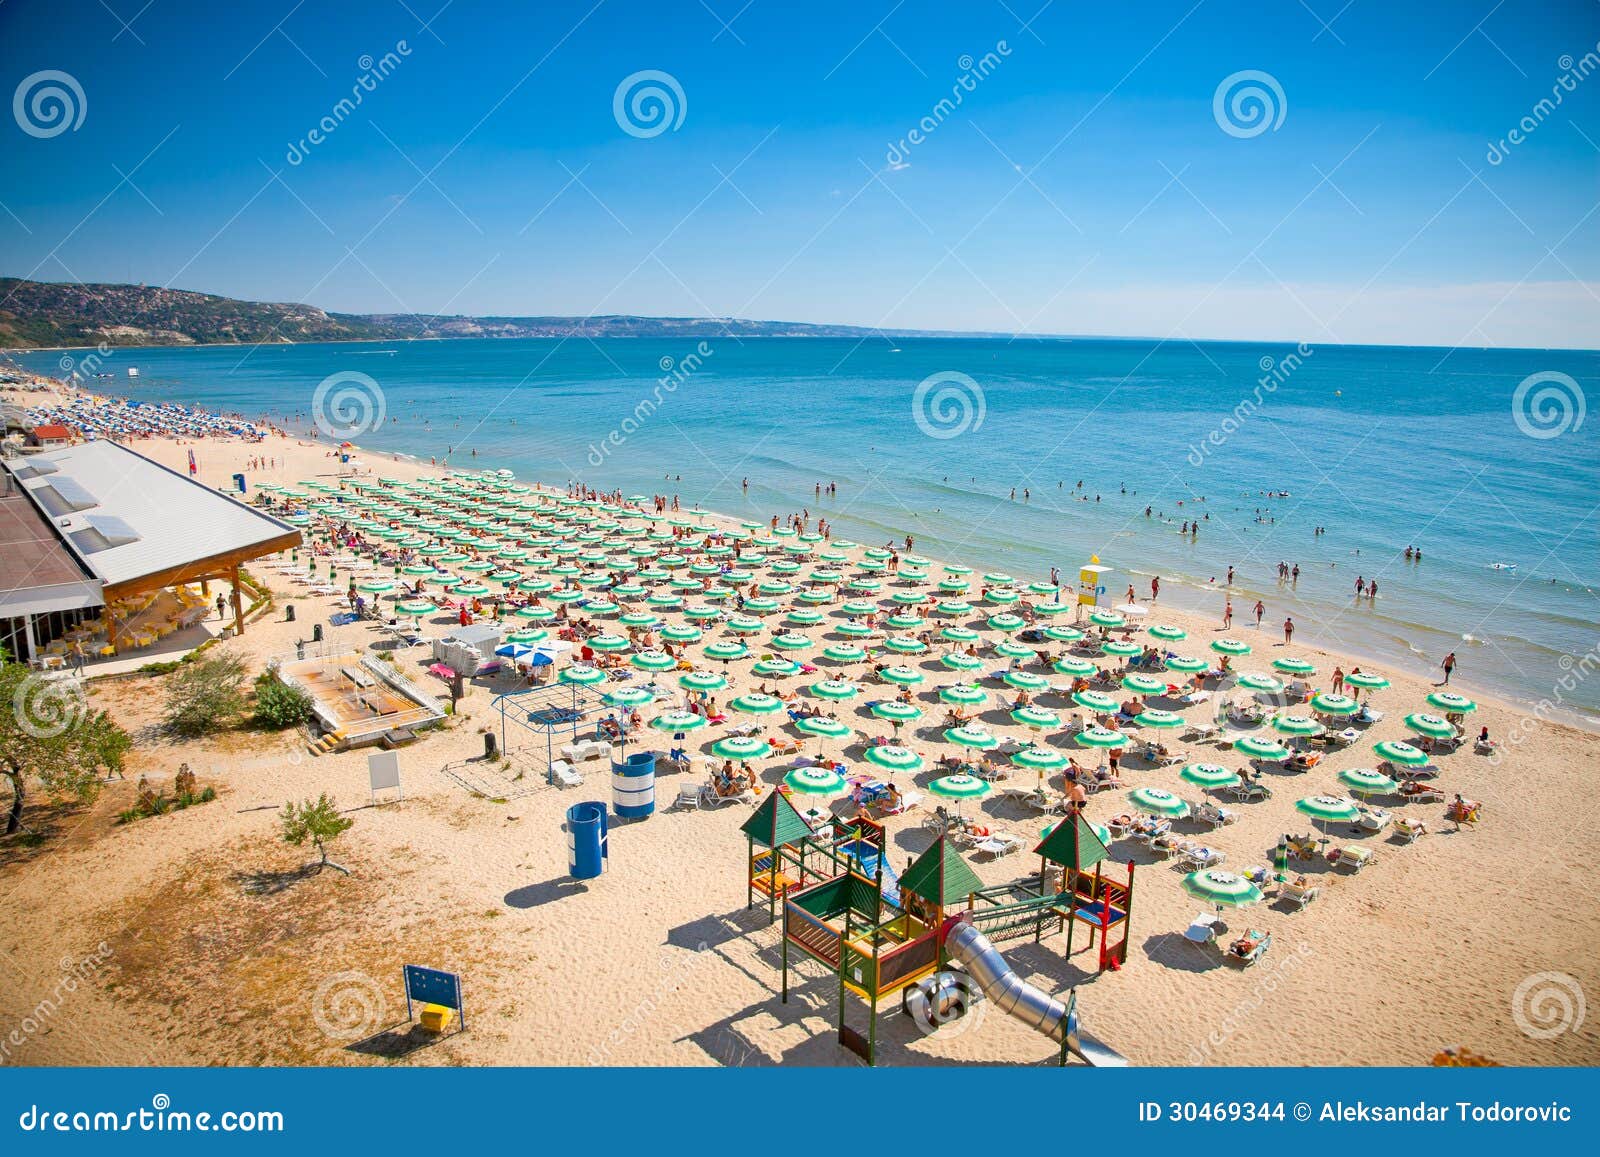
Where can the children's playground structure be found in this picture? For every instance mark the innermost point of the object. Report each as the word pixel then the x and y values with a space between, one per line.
pixel 844 907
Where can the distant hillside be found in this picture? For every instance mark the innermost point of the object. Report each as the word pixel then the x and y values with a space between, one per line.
pixel 42 313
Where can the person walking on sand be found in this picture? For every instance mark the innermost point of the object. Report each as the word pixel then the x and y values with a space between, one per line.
pixel 1261 609
pixel 1155 587
pixel 1449 665
pixel 1227 615
pixel 1288 631
pixel 1338 680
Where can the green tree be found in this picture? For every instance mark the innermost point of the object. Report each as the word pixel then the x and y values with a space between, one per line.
pixel 204 695
pixel 279 705
pixel 316 820
pixel 49 733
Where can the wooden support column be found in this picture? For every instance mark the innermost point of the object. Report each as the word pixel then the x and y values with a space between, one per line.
pixel 238 606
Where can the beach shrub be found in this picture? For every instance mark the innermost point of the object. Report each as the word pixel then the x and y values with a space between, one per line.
pixel 316 820
pixel 204 696
pixel 278 705
pixel 50 735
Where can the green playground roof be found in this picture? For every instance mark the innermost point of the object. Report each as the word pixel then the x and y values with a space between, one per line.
pixel 1073 845
pixel 940 876
pixel 776 823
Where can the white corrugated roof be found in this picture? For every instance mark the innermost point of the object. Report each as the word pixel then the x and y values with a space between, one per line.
pixel 175 520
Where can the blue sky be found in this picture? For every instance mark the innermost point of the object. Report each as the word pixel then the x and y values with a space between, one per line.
pixel 1084 184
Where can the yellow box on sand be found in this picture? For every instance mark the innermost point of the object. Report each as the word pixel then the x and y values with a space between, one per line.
pixel 435 1017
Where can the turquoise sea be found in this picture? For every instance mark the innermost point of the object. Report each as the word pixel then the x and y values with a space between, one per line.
pixel 1383 447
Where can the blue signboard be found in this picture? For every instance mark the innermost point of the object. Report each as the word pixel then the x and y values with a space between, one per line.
pixel 430 986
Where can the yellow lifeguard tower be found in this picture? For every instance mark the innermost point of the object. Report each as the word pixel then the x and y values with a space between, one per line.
pixel 1091 582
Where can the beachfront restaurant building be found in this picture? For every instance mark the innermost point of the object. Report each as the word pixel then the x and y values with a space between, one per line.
pixel 103 547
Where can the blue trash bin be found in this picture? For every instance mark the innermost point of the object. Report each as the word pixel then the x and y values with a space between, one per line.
pixel 587 849
pixel 633 785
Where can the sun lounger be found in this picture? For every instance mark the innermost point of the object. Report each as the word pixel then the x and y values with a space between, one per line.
pixel 1299 892
pixel 1210 813
pixel 710 799
pixel 1249 948
pixel 564 774
pixel 1199 856
pixel 1409 829
pixel 999 844
pixel 1374 819
pixel 1352 857
pixel 1202 929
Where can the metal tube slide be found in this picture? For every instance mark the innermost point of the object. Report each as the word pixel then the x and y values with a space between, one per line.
pixel 1001 984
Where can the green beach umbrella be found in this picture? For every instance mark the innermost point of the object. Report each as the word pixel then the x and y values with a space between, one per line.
pixel 896 712
pixel 726 651
pixel 1328 808
pixel 1056 634
pixel 836 689
pixel 742 748
pixel 534 614
pixel 790 641
pixel 1366 681
pixel 1209 775
pixel 907 622
pixel 1259 747
pixel 1253 681
pixel 963 696
pixel 1024 680
pixel 1328 703
pixel 582 675
pixel 844 653
pixel 1233 647
pixel 1102 738
pixel 974 737
pixel 1006 621
pixel 901 676
pixel 1097 701
pixel 702 681
pixel 957 661
pixel 681 633
pixel 1291 724
pixel 1224 889
pixel 1367 781
pixel 959 634
pixel 1162 720
pixel 1186 665
pixel 1120 649
pixel 1293 666
pixel 1143 684
pixel 803 618
pixel 854 630
pixel 960 787
pixel 744 624
pixel 1168 633
pixel 1400 753
pixel 822 726
pixel 526 635
pixel 1107 619
pixel 1077 668
pixel 822 782
pixel 775 667
pixel 1037 718
pixel 756 704
pixel 1157 802
pixel 1039 759
pixel 904 645
pixel 628 697
pixel 893 758
pixel 375 586
pixel 1432 726
pixel 608 642
pixel 415 607
pixel 652 661
pixel 1449 701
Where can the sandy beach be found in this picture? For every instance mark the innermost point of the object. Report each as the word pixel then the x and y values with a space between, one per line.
pixel 193 939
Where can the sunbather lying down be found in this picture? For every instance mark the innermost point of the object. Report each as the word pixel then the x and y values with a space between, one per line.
pixel 1248 943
